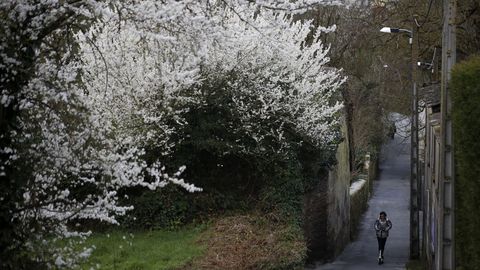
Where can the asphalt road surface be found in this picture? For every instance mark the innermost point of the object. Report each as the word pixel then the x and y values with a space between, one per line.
pixel 391 193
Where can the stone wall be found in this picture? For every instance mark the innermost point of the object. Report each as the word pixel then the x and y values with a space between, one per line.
pixel 359 193
pixel 338 224
pixel 327 208
pixel 334 208
pixel 315 219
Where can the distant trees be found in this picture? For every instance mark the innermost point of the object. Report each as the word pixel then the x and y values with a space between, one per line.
pixel 468 17
pixel 358 50
pixel 96 94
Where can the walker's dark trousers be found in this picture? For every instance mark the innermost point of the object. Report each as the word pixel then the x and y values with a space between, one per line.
pixel 381 244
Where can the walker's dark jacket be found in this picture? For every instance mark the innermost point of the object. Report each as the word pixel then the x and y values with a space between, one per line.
pixel 382 228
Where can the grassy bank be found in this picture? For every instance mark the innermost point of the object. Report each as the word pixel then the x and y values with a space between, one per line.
pixel 157 249
pixel 240 241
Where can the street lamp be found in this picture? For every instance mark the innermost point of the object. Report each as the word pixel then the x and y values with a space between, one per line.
pixel 398 30
pixel 414 166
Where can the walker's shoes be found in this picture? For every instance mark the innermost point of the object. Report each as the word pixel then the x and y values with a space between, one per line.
pixel 380 261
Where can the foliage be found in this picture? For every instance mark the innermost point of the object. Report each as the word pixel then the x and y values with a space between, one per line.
pixel 466 123
pixel 283 195
pixel 468 29
pixel 155 209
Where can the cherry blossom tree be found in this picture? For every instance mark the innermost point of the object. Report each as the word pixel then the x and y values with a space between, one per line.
pixel 276 72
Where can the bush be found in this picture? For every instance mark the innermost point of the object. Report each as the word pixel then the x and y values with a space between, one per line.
pixel 466 124
pixel 165 208
pixel 170 208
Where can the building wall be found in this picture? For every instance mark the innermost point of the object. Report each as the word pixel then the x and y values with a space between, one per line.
pixel 430 193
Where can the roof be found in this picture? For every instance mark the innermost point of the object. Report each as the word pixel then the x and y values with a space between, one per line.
pixel 430 93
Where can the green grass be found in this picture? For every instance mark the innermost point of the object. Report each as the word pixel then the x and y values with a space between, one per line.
pixel 144 250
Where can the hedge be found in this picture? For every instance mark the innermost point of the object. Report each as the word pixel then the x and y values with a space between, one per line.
pixel 466 127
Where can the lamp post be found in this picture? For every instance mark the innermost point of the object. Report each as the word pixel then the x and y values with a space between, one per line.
pixel 414 162
pixel 398 30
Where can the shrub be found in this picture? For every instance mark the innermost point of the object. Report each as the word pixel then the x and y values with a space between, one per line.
pixel 466 124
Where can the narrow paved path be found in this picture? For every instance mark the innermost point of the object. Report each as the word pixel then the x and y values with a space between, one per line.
pixel 391 193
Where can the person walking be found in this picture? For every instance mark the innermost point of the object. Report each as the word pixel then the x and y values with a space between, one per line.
pixel 382 226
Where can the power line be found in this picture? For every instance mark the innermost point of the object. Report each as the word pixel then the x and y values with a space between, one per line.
pixel 428 13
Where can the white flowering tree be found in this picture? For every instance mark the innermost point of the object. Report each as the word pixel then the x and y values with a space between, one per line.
pixel 87 86
pixel 144 83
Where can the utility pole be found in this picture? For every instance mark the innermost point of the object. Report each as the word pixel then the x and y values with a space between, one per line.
pixel 414 168
pixel 446 229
